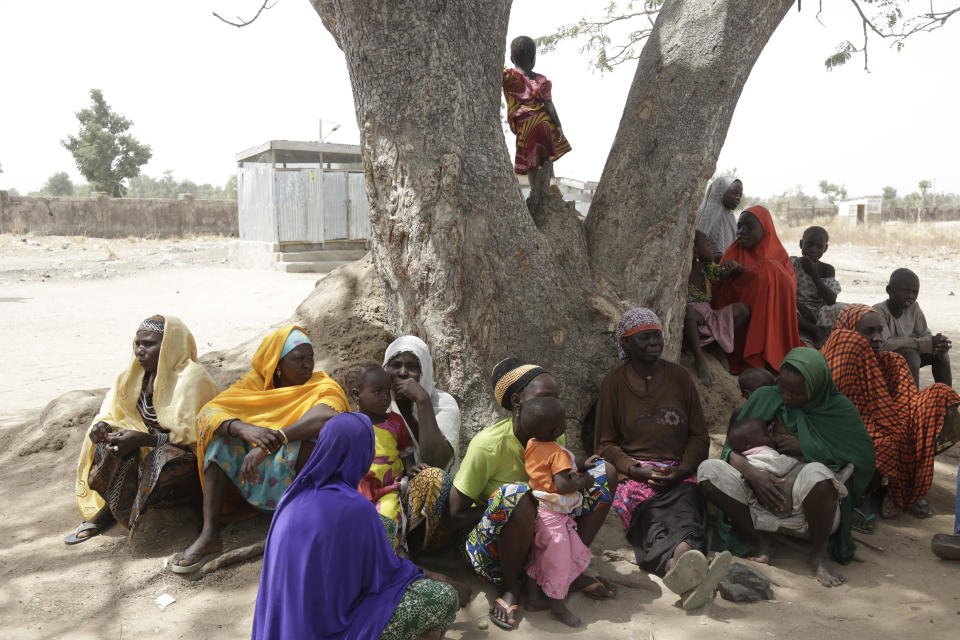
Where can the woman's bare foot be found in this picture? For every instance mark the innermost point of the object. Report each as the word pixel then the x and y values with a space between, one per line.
pixel 703 372
pixel 558 609
pixel 827 574
pixel 535 600
pixel 764 547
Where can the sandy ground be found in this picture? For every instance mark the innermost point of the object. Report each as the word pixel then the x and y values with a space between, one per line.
pixel 66 311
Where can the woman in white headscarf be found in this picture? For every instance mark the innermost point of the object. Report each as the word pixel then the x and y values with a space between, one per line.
pixel 433 419
pixel 715 216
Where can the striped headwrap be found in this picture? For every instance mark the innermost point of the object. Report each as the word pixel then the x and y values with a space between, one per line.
pixel 635 321
pixel 153 323
pixel 511 376
pixel 851 316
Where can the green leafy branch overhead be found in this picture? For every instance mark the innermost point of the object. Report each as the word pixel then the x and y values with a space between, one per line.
pixel 617 34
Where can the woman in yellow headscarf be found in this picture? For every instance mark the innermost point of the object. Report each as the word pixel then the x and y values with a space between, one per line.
pixel 258 434
pixel 140 448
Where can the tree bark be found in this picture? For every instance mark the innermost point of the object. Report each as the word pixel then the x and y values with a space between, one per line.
pixel 688 81
pixel 462 263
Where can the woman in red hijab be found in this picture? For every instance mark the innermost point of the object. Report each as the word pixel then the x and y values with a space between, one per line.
pixel 769 286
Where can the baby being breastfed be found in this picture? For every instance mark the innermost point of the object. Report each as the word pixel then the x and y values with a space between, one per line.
pixel 753 439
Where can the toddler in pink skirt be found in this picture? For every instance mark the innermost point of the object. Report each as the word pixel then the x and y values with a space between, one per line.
pixel 558 555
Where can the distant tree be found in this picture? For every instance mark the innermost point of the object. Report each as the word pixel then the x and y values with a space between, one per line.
pixel 230 189
pixel 832 191
pixel 58 184
pixel 924 186
pixel 889 193
pixel 105 154
pixel 12 192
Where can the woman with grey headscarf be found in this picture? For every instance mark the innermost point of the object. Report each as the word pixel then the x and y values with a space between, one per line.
pixel 715 216
pixel 432 417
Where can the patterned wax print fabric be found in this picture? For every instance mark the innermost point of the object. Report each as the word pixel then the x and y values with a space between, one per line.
pixel 904 423
pixel 381 484
pixel 180 389
pixel 481 543
pixel 427 605
pixel 769 287
pixel 808 296
pixel 538 137
pixel 254 399
pixel 428 497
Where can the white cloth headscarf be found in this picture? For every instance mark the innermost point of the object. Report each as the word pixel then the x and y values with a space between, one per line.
pixel 445 408
pixel 715 220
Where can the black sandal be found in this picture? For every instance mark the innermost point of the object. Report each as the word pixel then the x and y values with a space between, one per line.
pixel 74 538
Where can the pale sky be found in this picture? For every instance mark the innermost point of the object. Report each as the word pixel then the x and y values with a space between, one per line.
pixel 199 91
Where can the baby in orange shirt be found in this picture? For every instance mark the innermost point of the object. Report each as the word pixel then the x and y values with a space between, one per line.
pixel 558 555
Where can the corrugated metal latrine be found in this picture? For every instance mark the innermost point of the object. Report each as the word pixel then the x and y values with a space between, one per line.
pixel 302 204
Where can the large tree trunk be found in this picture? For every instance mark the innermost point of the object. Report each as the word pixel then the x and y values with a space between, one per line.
pixel 462 263
pixel 688 81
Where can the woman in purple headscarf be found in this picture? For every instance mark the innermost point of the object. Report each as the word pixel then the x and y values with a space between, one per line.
pixel 328 570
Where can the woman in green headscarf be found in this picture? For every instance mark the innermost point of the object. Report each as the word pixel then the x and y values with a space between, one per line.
pixel 815 423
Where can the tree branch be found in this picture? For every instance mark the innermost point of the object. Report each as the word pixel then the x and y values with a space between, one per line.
pixel 925 22
pixel 266 5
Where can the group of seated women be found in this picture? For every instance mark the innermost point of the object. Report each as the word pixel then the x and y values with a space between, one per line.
pixel 803 456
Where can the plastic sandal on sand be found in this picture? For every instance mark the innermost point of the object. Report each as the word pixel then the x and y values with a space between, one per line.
pixel 703 592
pixel 687 573
pixel 74 538
pixel 946 546
pixel 510 609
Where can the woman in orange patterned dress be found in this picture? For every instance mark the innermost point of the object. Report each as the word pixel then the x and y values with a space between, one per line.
pixel 903 422
pixel 533 118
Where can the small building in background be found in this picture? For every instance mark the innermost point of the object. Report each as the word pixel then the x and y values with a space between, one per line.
pixel 302 206
pixel 863 210
pixel 580 192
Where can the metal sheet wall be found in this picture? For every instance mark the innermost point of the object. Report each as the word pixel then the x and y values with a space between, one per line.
pixel 255 207
pixel 359 209
pixel 296 202
pixel 335 205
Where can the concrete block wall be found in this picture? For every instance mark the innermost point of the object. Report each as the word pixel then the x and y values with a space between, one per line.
pixel 101 216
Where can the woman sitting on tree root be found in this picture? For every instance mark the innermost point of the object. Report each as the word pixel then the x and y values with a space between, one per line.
pixel 811 421
pixel 140 449
pixel 492 498
pixel 256 436
pixel 768 285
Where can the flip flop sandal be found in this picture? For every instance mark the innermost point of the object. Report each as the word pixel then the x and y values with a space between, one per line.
pixel 703 592
pixel 510 609
pixel 74 538
pixel 869 522
pixel 203 559
pixel 689 571
pixel 921 509
pixel 946 546
pixel 601 589
pixel 889 509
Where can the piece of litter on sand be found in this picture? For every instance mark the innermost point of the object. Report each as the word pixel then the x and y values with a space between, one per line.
pixel 890 575
pixel 482 624
pixel 165 562
pixel 165 600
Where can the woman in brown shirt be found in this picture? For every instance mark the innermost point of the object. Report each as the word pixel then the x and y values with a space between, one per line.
pixel 651 427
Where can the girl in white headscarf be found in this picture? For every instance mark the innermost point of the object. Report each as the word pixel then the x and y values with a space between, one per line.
pixel 715 216
pixel 433 419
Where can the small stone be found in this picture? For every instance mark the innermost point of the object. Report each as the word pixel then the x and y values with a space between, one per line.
pixel 483 624
pixel 743 584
